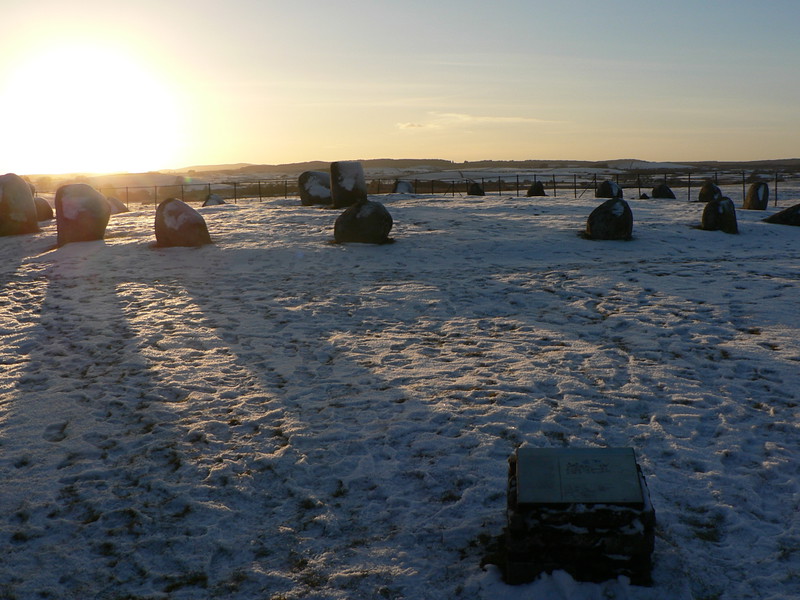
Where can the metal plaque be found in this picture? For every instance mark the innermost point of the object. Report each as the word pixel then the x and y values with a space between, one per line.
pixel 570 475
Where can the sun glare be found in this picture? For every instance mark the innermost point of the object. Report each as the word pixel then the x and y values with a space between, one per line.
pixel 88 108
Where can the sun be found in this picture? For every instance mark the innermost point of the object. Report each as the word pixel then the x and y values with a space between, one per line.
pixel 88 107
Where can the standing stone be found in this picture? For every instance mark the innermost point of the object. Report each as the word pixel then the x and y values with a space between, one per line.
pixel 348 183
pixel 662 190
pixel 178 224
pixel 82 213
pixel 608 189
pixel 612 220
pixel 475 189
pixel 213 200
pixel 116 205
pixel 17 208
pixel 44 212
pixel 402 187
pixel 315 188
pixel 536 189
pixel 720 215
pixel 366 222
pixel 708 192
pixel 757 197
pixel 788 216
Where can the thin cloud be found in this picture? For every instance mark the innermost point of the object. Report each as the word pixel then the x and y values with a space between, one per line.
pixel 447 120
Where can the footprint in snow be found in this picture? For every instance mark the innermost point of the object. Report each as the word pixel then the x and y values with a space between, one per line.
pixel 56 432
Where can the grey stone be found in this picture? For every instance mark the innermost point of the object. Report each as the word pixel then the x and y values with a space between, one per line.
pixel 314 187
pixel 178 224
pixel 213 200
pixel 662 190
pixel 708 192
pixel 788 216
pixel 720 215
pixel 612 220
pixel 44 212
pixel 366 222
pixel 757 197
pixel 116 205
pixel 608 189
pixel 17 207
pixel 348 183
pixel 82 213
pixel 536 189
pixel 475 189
pixel 403 187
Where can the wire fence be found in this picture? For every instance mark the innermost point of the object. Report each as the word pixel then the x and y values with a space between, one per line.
pixel 559 185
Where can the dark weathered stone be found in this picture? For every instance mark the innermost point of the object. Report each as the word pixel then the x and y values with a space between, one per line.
pixel 367 222
pixel 178 224
pixel 644 196
pixel 213 200
pixel 116 205
pixel 757 197
pixel 662 190
pixel 315 188
pixel 82 213
pixel 612 220
pixel 17 208
pixel 720 215
pixel 788 216
pixel 708 192
pixel 44 212
pixel 348 183
pixel 608 189
pixel 475 189
pixel 536 189
pixel 403 187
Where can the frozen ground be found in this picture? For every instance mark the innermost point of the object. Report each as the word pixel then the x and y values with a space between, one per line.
pixel 278 417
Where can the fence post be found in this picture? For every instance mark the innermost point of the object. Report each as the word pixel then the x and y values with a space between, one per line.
pixel 776 189
pixel 155 196
pixel 555 191
pixel 639 183
pixel 575 184
pixel 235 194
pixel 517 185
pixel 743 192
pixel 689 192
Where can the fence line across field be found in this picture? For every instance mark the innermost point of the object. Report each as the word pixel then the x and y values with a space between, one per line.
pixel 561 185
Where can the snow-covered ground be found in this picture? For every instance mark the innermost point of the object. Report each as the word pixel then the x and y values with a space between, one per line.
pixel 278 417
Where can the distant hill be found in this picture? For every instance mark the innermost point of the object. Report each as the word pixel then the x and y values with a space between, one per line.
pixel 420 164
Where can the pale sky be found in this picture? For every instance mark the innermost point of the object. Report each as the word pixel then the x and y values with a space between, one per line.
pixel 109 85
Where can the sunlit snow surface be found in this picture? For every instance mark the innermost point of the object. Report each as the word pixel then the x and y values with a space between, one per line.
pixel 276 416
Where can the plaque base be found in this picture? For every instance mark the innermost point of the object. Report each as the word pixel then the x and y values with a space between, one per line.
pixel 555 520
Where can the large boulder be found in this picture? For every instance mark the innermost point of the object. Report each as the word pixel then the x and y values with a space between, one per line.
pixel 719 215
pixel 612 220
pixel 536 189
pixel 708 192
pixel 367 222
pixel 348 183
pixel 662 190
pixel 608 189
pixel 116 205
pixel 757 197
pixel 44 212
pixel 788 216
pixel 17 207
pixel 82 213
pixel 315 188
pixel 178 224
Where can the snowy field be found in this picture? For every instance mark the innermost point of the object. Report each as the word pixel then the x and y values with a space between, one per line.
pixel 279 417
